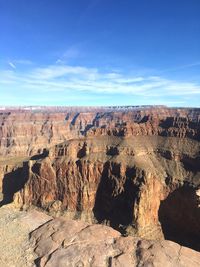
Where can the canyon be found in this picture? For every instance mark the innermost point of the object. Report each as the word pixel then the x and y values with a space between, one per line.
pixel 135 169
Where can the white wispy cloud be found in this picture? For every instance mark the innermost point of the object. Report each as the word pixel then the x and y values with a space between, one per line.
pixel 72 52
pixel 54 72
pixel 181 67
pixel 15 62
pixel 74 79
pixel 12 65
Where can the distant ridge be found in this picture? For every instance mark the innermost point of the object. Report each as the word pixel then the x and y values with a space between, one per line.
pixel 79 108
pixel 123 108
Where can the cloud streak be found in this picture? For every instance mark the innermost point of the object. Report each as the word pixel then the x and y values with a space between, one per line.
pixel 182 67
pixel 12 65
pixel 72 80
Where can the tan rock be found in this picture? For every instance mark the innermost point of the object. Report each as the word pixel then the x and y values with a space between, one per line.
pixel 72 243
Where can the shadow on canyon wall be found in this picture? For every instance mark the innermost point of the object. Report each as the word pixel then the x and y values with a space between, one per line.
pixel 13 182
pixel 42 155
pixel 179 216
pixel 115 207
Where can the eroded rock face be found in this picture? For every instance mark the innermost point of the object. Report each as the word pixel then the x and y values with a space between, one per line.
pixel 123 169
pixel 25 133
pixel 122 182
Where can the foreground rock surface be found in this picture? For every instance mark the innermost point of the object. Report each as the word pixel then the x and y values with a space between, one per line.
pixel 34 239
pixel 63 243
pixel 16 249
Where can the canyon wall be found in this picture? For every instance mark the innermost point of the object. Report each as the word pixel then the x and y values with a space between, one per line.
pixel 137 170
pixel 25 133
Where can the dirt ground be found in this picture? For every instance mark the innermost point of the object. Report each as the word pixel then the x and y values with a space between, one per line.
pixel 15 226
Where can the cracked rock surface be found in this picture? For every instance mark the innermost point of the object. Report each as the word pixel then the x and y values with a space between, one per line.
pixel 34 239
pixel 69 243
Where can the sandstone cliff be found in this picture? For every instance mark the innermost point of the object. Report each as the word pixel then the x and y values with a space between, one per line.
pixel 26 133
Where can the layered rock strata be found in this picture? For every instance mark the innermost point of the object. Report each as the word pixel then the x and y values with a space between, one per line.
pixel 25 133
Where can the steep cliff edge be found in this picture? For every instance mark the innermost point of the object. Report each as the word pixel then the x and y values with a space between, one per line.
pixel 137 171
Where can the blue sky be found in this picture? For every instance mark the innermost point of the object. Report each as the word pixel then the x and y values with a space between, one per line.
pixel 100 52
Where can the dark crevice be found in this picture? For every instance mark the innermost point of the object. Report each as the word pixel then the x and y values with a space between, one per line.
pixel 179 216
pixel 83 151
pixel 87 128
pixel 112 151
pixel 144 119
pixel 115 204
pixel 13 182
pixel 74 119
pixel 191 164
pixel 42 155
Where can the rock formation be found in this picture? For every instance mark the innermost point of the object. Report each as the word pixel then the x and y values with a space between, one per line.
pixel 27 132
pixel 62 242
pixel 34 239
pixel 136 170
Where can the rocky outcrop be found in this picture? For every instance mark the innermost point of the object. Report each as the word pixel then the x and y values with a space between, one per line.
pixel 33 238
pixel 62 242
pixel 122 182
